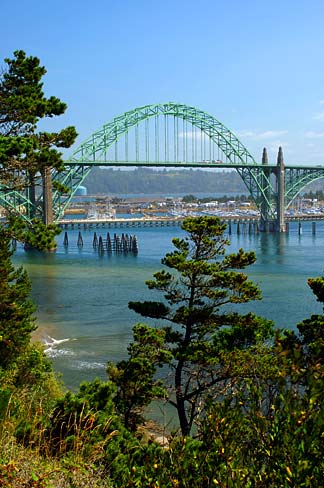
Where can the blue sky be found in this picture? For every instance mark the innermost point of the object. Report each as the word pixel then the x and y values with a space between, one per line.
pixel 257 66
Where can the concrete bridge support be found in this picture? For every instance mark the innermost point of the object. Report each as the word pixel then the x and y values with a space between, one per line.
pixel 264 224
pixel 267 223
pixel 280 174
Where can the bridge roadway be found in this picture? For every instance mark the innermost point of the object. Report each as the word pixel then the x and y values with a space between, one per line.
pixel 171 221
pixel 186 164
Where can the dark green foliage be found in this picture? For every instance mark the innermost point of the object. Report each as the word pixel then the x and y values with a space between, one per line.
pixel 32 388
pixel 204 279
pixel 241 331
pixel 32 368
pixel 21 87
pixel 189 199
pixel 60 187
pixel 263 431
pixel 16 309
pixel 22 105
pixel 38 236
pixel 26 375
pixel 146 180
pixel 26 153
pixel 135 378
pixel 317 286
pixel 312 329
pixel 246 447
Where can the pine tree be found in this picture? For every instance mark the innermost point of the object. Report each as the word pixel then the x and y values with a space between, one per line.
pixel 134 378
pixel 312 329
pixel 205 280
pixel 22 105
pixel 16 309
pixel 26 154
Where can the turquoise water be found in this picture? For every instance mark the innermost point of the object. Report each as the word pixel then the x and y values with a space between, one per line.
pixel 82 297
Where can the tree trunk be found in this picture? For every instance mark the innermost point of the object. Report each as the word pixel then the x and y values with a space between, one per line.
pixel 184 425
pixel 47 197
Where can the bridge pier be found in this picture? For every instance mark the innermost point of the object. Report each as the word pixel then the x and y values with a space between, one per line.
pixel 280 174
pixel 265 202
pixel 267 224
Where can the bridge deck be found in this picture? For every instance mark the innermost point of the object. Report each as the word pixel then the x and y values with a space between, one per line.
pixel 167 221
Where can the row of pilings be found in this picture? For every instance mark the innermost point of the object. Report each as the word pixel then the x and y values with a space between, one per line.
pixel 243 227
pixel 238 226
pixel 128 244
pixel 124 244
pixel 253 227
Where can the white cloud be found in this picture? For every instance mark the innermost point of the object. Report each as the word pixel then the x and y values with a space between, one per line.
pixel 193 135
pixel 314 135
pixel 270 134
pixel 319 116
pixel 321 102
pixel 252 134
pixel 256 135
pixel 245 133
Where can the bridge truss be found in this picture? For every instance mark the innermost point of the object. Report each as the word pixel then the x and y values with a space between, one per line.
pixel 167 135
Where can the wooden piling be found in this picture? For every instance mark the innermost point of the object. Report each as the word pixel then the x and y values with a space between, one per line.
pixel 134 245
pixel 80 240
pixel 108 243
pixel 100 246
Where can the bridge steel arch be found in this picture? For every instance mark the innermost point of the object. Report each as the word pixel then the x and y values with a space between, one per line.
pixel 16 202
pixel 94 149
pixel 93 152
pixel 297 179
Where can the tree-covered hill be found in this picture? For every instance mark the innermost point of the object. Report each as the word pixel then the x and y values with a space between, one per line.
pixel 146 180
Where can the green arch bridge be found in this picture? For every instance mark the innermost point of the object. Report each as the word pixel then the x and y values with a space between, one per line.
pixel 168 135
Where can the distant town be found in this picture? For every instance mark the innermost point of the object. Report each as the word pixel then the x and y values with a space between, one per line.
pixel 101 207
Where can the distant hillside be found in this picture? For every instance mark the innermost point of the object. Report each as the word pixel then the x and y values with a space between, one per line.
pixel 146 180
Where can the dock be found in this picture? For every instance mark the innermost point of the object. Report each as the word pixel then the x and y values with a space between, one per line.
pixel 140 222
pixel 119 223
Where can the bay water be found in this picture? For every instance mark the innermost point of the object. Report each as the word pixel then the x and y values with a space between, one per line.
pixel 82 297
